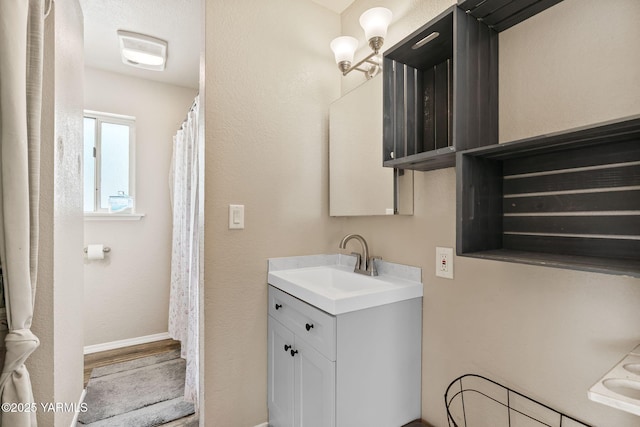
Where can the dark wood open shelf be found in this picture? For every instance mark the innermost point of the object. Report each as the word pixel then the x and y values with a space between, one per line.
pixel 569 199
pixel 503 14
pixel 441 96
pixel 581 263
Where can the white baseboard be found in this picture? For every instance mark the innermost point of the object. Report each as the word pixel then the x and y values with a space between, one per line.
pixel 125 343
pixel 263 425
pixel 74 421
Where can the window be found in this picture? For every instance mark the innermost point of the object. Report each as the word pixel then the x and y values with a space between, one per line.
pixel 109 159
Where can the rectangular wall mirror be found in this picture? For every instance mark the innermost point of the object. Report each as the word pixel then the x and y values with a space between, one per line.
pixel 358 183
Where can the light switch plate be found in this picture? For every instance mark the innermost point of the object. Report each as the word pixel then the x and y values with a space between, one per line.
pixel 444 262
pixel 236 217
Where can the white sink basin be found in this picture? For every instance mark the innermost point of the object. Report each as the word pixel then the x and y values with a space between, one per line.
pixel 620 387
pixel 623 387
pixel 336 289
pixel 634 368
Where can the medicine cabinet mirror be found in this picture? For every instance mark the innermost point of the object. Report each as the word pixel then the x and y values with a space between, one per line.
pixel 358 183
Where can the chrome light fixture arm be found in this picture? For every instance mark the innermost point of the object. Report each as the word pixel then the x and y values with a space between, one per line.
pixel 374 22
pixel 371 71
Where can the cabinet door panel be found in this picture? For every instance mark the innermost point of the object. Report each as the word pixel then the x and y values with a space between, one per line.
pixel 312 324
pixel 280 375
pixel 314 387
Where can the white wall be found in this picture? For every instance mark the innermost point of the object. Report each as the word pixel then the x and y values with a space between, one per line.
pixel 127 294
pixel 56 366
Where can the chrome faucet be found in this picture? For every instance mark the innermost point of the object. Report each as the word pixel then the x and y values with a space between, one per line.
pixel 364 263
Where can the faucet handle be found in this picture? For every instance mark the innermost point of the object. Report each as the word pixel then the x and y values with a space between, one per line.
pixel 371 268
pixel 358 260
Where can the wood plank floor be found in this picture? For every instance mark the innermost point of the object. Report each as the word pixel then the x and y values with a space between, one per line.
pixel 417 423
pixel 111 357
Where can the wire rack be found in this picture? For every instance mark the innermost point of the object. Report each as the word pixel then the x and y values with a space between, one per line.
pixel 475 401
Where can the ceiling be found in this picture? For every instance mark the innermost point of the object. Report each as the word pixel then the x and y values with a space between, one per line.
pixel 176 21
pixel 337 6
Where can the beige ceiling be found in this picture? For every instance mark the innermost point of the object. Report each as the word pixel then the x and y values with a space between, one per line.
pixel 176 21
pixel 337 6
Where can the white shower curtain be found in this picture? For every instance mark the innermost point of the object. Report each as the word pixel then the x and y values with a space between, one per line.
pixel 185 255
pixel 21 49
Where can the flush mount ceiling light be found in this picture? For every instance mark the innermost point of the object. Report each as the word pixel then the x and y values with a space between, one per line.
pixel 142 51
pixel 374 22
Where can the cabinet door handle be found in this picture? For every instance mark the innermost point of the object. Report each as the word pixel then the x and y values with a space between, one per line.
pixel 278 306
pixel 287 347
pixel 308 326
pixel 294 352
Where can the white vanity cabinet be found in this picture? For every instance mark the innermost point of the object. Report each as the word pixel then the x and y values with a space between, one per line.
pixel 302 365
pixel 361 368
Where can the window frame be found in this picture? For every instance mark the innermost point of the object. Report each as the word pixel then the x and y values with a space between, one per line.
pixel 119 119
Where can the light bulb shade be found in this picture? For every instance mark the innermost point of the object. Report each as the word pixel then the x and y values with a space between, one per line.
pixel 375 22
pixel 344 48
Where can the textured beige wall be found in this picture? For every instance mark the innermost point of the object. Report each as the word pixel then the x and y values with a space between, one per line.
pixel 56 366
pixel 270 80
pixel 138 267
pixel 41 363
pixel 573 66
pixel 549 333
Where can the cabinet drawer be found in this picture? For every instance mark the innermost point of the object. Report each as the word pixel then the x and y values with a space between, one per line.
pixel 307 322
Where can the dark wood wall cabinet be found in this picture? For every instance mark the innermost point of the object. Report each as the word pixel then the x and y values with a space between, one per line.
pixel 569 200
pixel 503 14
pixel 440 92
pixel 441 83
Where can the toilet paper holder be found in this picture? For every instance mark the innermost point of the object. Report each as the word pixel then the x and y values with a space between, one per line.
pixel 106 249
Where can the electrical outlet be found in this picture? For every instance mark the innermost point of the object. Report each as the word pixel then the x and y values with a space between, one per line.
pixel 444 262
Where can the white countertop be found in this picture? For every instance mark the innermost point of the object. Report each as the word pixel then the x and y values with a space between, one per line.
pixel 329 283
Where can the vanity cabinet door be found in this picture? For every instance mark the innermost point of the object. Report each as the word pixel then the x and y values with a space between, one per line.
pixel 315 387
pixel 301 381
pixel 280 375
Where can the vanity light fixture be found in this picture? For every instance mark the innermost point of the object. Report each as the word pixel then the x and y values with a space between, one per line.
pixel 142 51
pixel 374 22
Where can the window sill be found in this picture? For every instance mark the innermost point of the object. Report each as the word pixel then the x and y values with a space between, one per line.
pixel 104 216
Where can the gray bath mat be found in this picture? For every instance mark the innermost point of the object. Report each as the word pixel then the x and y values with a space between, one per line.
pixel 144 392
